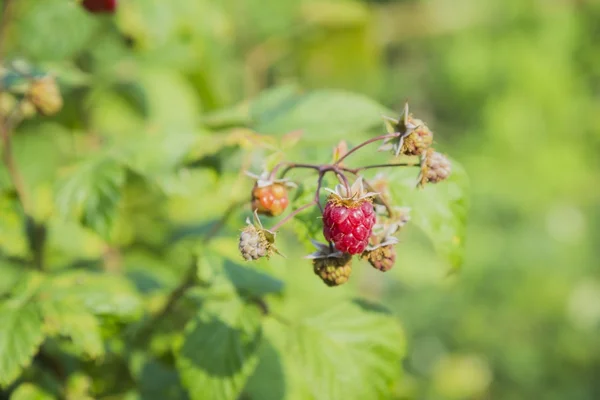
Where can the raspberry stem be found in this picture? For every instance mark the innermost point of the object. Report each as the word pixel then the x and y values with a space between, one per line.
pixel 363 144
pixel 292 215
pixel 364 167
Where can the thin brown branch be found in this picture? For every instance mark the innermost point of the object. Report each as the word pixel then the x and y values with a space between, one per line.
pixel 292 215
pixel 363 144
pixel 7 125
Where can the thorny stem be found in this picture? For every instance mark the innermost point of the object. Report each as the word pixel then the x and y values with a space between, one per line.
pixel 292 215
pixel 290 166
pixel 318 191
pixel 343 179
pixel 7 125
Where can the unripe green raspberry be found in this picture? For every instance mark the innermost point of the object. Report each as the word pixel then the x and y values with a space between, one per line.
pixel 334 271
pixel 331 265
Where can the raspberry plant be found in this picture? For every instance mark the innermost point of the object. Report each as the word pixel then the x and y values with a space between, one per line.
pixel 119 241
pixel 350 223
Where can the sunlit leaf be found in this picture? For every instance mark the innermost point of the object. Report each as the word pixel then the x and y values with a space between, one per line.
pixel 101 294
pixel 21 333
pixel 220 350
pixel 65 317
pixel 29 391
pixel 335 352
pixel 440 210
pixel 323 116
pixel 92 192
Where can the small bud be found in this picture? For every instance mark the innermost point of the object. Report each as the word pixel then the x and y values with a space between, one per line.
pixel 412 137
pixel 418 141
pixel 435 167
pixel 45 95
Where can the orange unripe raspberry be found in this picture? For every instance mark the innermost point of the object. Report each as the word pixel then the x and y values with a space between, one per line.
pixel 271 200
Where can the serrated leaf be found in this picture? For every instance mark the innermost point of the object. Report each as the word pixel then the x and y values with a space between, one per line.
pixel 100 294
pixel 334 353
pixel 440 210
pixel 250 281
pixel 29 391
pixel 92 191
pixel 71 319
pixel 219 350
pixel 37 36
pixel 21 333
pixel 323 116
pixel 268 381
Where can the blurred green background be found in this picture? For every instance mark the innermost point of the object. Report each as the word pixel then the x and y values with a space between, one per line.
pixel 510 89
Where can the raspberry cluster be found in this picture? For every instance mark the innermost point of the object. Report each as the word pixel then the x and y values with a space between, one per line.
pixel 358 219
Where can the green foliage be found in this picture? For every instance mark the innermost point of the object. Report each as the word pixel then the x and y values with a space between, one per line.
pixel 21 333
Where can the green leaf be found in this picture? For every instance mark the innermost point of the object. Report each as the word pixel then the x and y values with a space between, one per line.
pixel 100 294
pixel 268 381
pixel 92 191
pixel 250 281
pixel 71 319
pixel 21 334
pixel 29 391
pixel 334 353
pixel 220 350
pixel 323 116
pixel 37 34
pixel 440 210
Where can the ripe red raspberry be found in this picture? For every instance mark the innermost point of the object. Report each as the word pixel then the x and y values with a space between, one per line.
pixel 100 6
pixel 348 218
pixel 270 200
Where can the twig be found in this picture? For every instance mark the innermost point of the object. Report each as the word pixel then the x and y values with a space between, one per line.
pixel 363 144
pixel 6 127
pixel 292 215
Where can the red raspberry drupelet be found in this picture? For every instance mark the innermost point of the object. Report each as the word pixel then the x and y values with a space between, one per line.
pixel 348 220
pixel 100 6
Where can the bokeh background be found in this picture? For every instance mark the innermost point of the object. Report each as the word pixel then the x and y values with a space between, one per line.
pixel 510 89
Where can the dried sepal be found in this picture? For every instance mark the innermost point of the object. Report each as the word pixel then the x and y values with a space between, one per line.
pixel 265 179
pixel 411 135
pixel 355 198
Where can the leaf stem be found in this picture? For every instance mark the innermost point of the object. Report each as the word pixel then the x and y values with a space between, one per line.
pixel 7 125
pixel 292 215
pixel 290 166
